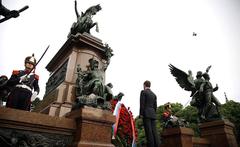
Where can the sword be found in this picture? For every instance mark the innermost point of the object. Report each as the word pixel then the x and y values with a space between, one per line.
pixel 38 60
pixel 34 67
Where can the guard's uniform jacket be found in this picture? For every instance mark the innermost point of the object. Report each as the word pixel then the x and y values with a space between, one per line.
pixel 20 96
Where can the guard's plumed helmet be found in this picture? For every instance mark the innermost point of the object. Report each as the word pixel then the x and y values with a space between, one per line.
pixel 30 59
pixel 167 105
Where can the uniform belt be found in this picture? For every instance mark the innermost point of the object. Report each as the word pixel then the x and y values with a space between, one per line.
pixel 24 86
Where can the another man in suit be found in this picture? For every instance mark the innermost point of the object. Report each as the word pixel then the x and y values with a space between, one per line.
pixel 148 107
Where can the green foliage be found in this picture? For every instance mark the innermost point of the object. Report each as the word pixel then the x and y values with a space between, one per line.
pixel 119 142
pixel 190 115
pixel 176 108
pixel 231 111
pixel 141 133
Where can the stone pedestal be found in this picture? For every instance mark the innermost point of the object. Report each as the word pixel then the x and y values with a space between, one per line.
pixel 34 128
pixel 177 137
pixel 220 133
pixel 94 127
pixel 60 88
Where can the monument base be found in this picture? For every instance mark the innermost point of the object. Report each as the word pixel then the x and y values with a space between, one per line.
pixel 220 133
pixel 177 137
pixel 94 127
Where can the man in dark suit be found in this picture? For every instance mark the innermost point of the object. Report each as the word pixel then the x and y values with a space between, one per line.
pixel 148 106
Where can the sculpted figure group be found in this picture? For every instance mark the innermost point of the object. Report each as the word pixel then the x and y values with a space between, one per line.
pixel 90 88
pixel 201 92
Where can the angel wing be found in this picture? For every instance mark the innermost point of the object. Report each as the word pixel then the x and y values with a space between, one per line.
pixel 183 79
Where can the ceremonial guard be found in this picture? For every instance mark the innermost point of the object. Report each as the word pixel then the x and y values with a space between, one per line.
pixel 167 113
pixel 25 86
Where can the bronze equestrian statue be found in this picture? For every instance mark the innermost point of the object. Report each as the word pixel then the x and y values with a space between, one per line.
pixel 84 21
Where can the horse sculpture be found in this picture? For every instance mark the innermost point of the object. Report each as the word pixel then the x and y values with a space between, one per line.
pixel 84 21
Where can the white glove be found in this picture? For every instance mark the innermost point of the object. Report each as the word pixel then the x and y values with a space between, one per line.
pixel 34 95
pixel 23 78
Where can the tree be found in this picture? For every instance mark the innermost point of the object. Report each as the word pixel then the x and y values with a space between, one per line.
pixel 231 110
pixel 141 134
pixel 190 115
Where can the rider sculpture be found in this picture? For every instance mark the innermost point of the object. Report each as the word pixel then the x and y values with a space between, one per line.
pixel 84 21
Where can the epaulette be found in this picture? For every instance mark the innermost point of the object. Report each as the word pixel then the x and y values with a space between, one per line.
pixel 16 72
pixel 165 114
pixel 36 76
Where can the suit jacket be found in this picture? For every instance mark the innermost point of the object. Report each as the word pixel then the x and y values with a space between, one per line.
pixel 148 104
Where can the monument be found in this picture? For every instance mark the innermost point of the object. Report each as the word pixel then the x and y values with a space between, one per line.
pixel 201 92
pixel 219 132
pixel 76 87
pixel 77 71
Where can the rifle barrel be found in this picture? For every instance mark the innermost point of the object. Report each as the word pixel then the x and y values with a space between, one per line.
pixel 23 9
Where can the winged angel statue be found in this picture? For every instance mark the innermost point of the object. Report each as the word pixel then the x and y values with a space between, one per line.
pixel 201 92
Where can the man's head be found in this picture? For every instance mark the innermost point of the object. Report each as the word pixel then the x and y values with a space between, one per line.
pixel 147 84
pixel 93 63
pixel 206 76
pixel 199 74
pixel 30 62
pixel 96 64
pixel 120 95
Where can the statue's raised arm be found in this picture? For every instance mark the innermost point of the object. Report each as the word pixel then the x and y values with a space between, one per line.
pixel 76 11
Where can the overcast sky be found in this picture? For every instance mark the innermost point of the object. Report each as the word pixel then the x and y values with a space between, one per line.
pixel 145 35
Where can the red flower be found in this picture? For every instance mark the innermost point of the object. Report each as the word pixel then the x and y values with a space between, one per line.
pixel 126 129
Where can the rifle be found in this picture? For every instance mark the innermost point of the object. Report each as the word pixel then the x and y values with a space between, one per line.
pixel 10 16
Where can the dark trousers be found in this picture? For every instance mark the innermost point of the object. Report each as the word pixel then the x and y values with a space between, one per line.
pixel 151 132
pixel 19 98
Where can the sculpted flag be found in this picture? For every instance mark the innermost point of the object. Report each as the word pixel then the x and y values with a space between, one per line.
pixel 124 130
